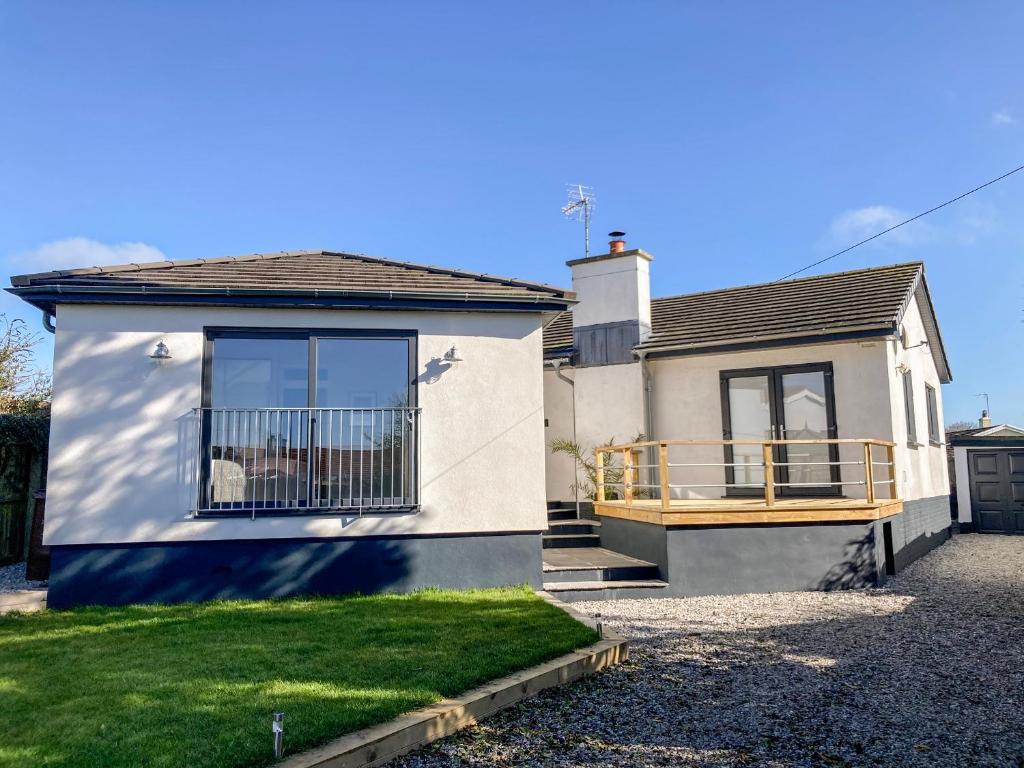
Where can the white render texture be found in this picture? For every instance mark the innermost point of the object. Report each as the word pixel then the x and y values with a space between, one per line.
pixel 613 290
pixel 686 404
pixel 122 443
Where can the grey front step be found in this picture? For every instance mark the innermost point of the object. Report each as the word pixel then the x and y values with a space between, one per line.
pixel 561 514
pixel 571 591
pixel 638 573
pixel 573 526
pixel 556 540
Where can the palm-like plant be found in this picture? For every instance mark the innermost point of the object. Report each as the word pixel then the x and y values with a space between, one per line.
pixel 586 465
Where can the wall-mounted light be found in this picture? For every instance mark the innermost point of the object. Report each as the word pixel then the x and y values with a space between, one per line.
pixel 452 356
pixel 160 352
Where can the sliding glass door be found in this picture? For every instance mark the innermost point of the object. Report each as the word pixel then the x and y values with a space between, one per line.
pixel 307 420
pixel 782 403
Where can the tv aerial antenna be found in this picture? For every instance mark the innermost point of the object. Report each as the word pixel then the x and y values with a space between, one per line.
pixel 580 208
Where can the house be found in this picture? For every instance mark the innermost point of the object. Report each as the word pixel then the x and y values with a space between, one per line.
pixel 325 422
pixel 988 487
pixel 292 423
pixel 829 385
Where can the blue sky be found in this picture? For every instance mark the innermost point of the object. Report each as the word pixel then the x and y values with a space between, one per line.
pixel 734 141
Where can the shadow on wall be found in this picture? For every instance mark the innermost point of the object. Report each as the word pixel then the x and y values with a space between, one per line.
pixel 858 568
pixel 433 371
pixel 171 573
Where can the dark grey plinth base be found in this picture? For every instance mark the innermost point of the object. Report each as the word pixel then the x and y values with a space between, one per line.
pixel 740 559
pixel 166 573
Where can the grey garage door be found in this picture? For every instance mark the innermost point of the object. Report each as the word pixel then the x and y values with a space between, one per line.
pixel 997 490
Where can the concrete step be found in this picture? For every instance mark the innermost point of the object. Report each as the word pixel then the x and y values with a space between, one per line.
pixel 562 514
pixel 638 573
pixel 572 591
pixel 573 526
pixel 573 540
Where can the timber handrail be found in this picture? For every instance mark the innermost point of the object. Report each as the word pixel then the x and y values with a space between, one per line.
pixel 814 441
pixel 632 462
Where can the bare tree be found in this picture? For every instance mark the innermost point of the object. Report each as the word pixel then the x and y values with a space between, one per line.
pixel 960 426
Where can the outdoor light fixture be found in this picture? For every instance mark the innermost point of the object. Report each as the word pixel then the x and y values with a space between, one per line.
pixel 160 352
pixel 452 356
pixel 277 728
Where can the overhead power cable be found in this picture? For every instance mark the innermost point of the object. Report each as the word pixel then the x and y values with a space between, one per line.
pixel 905 221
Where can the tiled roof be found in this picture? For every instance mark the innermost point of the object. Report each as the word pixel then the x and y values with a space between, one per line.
pixel 845 302
pixel 319 272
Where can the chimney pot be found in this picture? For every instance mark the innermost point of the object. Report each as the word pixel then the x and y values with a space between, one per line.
pixel 617 244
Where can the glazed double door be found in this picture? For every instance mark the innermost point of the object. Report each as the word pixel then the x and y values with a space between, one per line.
pixel 781 403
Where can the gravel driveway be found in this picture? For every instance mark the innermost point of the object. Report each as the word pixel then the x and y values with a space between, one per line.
pixel 929 671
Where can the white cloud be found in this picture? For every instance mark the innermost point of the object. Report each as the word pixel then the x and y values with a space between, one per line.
pixel 1001 118
pixel 859 223
pixel 75 252
pixel 967 223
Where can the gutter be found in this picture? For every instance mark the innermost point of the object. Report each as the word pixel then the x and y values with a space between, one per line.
pixel 143 290
pixel 648 387
pixel 47 298
pixel 846 333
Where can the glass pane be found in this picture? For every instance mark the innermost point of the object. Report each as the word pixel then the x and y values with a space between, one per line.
pixel 260 373
pixel 750 419
pixel 363 456
pixel 362 373
pixel 806 418
pixel 258 458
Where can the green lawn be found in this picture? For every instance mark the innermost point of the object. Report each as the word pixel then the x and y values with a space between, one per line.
pixel 195 685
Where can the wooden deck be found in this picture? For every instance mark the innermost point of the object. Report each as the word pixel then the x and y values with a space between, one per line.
pixel 738 511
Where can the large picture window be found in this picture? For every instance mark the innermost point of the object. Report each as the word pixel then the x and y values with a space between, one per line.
pixel 304 421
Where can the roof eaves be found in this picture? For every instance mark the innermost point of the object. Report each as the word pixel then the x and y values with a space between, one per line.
pixel 652 345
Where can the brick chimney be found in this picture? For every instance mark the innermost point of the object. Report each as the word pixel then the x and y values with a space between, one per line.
pixel 614 310
pixel 984 422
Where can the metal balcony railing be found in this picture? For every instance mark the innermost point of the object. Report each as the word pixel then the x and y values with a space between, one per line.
pixel 271 461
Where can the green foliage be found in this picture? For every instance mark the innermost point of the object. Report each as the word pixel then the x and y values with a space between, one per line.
pixel 31 430
pixel 195 685
pixel 23 389
pixel 586 464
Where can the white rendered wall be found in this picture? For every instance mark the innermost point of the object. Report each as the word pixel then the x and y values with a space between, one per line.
pixel 121 443
pixel 612 290
pixel 963 485
pixel 560 469
pixel 688 405
pixel 923 469
pixel 609 406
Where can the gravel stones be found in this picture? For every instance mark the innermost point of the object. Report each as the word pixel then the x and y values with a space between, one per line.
pixel 12 579
pixel 927 671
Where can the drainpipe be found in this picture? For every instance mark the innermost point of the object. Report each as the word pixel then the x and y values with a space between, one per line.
pixel 648 385
pixel 557 365
pixel 48 319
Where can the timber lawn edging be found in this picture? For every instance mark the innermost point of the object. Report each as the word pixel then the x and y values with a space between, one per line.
pixel 23 600
pixel 381 743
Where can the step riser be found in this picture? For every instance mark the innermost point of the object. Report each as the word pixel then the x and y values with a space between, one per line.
pixel 575 530
pixel 562 514
pixel 574 541
pixel 587 595
pixel 640 573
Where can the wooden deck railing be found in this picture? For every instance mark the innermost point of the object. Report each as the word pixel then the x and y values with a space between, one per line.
pixel 624 474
